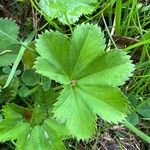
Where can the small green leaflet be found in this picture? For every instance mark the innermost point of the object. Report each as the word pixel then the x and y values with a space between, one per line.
pixel 90 76
pixel 67 11
pixel 144 108
pixel 7 59
pixel 30 78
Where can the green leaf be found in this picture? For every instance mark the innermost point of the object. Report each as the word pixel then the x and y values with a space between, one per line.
pixel 54 53
pixel 11 129
pixel 9 27
pixel 36 138
pixel 13 111
pixel 30 78
pixel 55 132
pixel 133 118
pixel 90 76
pixel 22 139
pixel 107 71
pixel 133 100
pixel 29 57
pixel 40 135
pixel 24 91
pixel 9 93
pixel 21 124
pixel 43 106
pixel 10 132
pixel 71 109
pixel 7 59
pixel 46 83
pixel 71 8
pixel 87 42
pixel 60 129
pixel 8 34
pixel 7 71
pixel 144 108
pixel 18 59
pixel 12 126
pixel 78 107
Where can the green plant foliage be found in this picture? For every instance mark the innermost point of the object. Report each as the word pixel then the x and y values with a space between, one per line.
pixel 67 11
pixel 8 34
pixel 7 71
pixel 133 118
pixel 144 108
pixel 7 59
pixel 23 91
pixel 9 93
pixel 29 57
pixel 90 77
pixel 30 78
pixel 18 59
pixel 10 28
pixel 138 107
pixel 33 127
pixel 46 83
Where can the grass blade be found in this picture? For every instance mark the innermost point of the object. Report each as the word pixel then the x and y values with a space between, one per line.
pixel 118 16
pixel 18 59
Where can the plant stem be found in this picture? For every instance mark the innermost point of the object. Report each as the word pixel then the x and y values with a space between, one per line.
pixel 108 31
pixel 137 131
pixel 137 45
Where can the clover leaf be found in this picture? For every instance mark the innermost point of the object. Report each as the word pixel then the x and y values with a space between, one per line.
pixel 8 94
pixel 90 76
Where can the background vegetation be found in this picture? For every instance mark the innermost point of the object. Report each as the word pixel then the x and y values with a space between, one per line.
pixel 126 24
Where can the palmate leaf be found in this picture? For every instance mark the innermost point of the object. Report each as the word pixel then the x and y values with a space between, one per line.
pixel 90 76
pixel 72 9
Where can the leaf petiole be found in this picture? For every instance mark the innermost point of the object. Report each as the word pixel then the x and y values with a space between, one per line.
pixel 137 131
